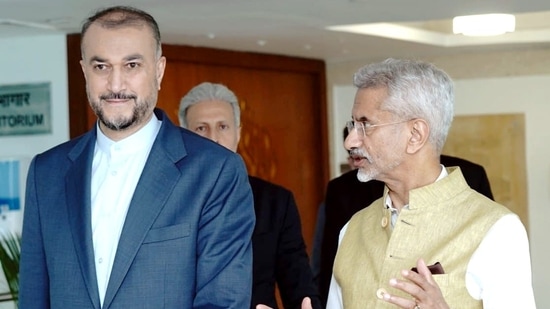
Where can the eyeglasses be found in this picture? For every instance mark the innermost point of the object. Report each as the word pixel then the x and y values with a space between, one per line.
pixel 365 127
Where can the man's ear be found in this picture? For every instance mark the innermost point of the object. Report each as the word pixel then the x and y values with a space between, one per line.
pixel 239 134
pixel 83 67
pixel 161 65
pixel 419 133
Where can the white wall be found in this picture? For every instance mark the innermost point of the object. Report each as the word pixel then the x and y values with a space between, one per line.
pixel 529 95
pixel 343 97
pixel 487 84
pixel 29 60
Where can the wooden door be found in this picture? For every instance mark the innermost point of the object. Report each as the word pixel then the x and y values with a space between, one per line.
pixel 283 116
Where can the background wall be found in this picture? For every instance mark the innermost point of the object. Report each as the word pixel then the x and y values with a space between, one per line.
pixel 492 83
pixel 30 60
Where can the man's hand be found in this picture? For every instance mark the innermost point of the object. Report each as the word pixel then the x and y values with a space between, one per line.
pixel 306 304
pixel 424 291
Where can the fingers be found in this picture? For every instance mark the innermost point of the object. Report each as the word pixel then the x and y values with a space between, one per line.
pixel 412 286
pixel 423 279
pixel 399 301
pixel 424 271
pixel 421 289
pixel 306 303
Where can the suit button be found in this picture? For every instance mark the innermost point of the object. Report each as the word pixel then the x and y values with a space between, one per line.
pixel 384 222
pixel 380 293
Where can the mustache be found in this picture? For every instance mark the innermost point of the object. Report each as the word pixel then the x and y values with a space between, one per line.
pixel 357 152
pixel 117 96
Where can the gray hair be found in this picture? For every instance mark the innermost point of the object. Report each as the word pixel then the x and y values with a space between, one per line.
pixel 209 92
pixel 123 16
pixel 416 89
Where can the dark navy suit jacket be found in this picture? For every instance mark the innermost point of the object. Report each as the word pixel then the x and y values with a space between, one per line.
pixel 346 195
pixel 185 243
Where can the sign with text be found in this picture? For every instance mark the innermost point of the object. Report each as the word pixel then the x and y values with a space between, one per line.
pixel 25 109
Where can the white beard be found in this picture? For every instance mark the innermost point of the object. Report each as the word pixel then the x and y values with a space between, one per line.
pixel 363 176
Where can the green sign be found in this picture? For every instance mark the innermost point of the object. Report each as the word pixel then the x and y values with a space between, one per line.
pixel 25 109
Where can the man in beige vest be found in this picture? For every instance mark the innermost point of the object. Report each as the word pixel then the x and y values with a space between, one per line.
pixel 476 249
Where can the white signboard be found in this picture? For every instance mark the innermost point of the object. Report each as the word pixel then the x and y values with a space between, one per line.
pixel 25 109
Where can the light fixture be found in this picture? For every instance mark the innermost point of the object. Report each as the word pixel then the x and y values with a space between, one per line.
pixel 484 25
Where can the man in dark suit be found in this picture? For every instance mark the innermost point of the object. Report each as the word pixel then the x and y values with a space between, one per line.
pixel 346 195
pixel 279 255
pixel 133 214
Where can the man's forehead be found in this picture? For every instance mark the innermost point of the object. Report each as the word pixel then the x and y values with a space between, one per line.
pixel 371 98
pixel 101 38
pixel 365 104
pixel 212 107
pixel 99 27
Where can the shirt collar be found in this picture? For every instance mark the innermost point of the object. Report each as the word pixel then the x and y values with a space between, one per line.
pixel 388 202
pixel 132 143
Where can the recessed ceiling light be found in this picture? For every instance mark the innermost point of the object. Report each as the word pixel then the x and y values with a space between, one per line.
pixel 484 25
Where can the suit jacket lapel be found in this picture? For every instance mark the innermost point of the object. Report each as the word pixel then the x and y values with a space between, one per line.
pixel 78 187
pixel 155 185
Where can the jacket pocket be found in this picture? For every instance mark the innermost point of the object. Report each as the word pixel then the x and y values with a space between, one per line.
pixel 168 233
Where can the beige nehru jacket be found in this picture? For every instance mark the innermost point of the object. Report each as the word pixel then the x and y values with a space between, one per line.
pixel 445 222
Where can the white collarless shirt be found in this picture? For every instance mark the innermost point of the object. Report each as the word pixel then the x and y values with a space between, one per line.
pixel 116 169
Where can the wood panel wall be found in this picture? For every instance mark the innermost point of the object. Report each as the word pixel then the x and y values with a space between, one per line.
pixel 283 101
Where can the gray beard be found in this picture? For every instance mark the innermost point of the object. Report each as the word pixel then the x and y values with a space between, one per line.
pixel 363 176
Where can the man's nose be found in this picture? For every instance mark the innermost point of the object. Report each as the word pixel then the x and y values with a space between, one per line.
pixel 353 140
pixel 213 135
pixel 116 80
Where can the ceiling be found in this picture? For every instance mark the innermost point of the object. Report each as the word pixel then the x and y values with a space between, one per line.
pixel 297 27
